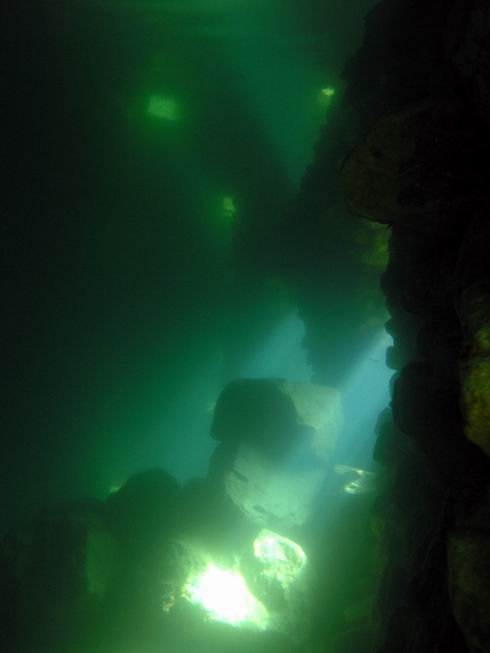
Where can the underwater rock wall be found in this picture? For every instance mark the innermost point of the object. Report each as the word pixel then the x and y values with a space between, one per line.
pixel 420 88
pixel 407 150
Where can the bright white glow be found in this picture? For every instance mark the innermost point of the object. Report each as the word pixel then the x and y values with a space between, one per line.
pixel 226 598
pixel 165 108
pixel 282 559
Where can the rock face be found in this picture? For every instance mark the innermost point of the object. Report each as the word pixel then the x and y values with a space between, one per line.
pixel 144 510
pixel 64 566
pixel 276 496
pixel 279 417
pixel 475 366
pixel 419 87
pixel 468 48
pixel 469 585
pixel 276 439
pixel 406 170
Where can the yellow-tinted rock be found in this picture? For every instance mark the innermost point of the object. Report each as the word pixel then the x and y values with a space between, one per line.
pixel 397 175
pixel 475 367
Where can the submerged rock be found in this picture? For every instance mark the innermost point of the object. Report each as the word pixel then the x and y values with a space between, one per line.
pixel 475 366
pixel 279 417
pixel 258 587
pixel 468 49
pixel 280 497
pixel 469 586
pixel 65 564
pixel 407 169
pixel 144 510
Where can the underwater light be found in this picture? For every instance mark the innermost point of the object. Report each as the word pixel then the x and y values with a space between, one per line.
pixel 165 108
pixel 229 209
pixel 328 91
pixel 225 597
pixel 282 559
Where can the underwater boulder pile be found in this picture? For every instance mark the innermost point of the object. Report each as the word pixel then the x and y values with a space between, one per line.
pixel 276 439
pixel 215 566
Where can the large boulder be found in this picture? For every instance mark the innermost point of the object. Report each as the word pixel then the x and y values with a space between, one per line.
pixel 277 496
pixel 144 510
pixel 276 437
pixel 279 418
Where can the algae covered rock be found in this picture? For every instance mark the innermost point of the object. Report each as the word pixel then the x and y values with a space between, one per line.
pixel 408 167
pixel 475 366
pixel 279 417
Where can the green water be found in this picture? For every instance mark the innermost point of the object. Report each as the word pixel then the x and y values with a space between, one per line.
pixel 154 153
pixel 129 287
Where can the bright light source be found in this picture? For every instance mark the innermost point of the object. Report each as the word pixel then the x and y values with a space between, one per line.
pixel 328 91
pixel 229 210
pixel 165 108
pixel 282 559
pixel 225 597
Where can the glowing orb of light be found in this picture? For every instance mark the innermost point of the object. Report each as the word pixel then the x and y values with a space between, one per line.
pixel 328 91
pixel 225 597
pixel 164 108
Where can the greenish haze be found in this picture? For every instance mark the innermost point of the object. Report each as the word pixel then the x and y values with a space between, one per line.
pixel 153 148
pixel 163 107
